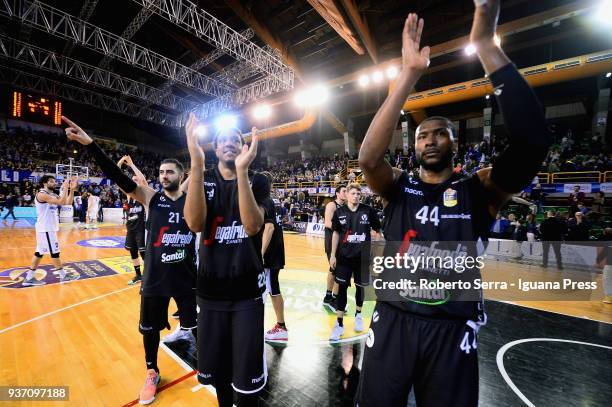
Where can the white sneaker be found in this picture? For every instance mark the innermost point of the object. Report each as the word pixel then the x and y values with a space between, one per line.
pixel 179 335
pixel 32 282
pixel 358 323
pixel 277 333
pixel 337 332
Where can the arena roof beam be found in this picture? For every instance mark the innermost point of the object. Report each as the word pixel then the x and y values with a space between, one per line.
pixel 64 25
pixel 132 28
pixel 334 17
pixel 86 11
pixel 205 26
pixel 43 59
pixel 361 26
pixel 35 83
pixel 266 35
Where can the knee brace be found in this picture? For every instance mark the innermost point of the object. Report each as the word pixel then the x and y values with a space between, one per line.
pixel 134 253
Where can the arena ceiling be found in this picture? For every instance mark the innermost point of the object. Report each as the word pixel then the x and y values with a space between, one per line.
pixel 328 41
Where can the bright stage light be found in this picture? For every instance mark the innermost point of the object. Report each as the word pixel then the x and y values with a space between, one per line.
pixel 392 72
pixel 200 130
pixel 364 80
pixel 226 122
pixel 488 97
pixel 608 74
pixel 470 49
pixel 314 96
pixel 604 12
pixel 262 111
pixel 377 76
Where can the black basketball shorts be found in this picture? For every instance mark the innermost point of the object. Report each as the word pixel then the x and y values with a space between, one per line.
pixel 135 239
pixel 347 268
pixel 154 312
pixel 231 344
pixel 437 357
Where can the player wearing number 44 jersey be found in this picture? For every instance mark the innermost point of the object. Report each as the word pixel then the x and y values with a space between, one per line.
pixel 170 255
pixel 226 204
pixel 414 341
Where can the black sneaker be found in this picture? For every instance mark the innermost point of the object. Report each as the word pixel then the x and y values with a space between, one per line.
pixel 329 302
pixel 175 315
pixel 135 280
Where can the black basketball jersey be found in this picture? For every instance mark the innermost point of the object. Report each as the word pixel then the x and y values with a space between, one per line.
pixel 231 267
pixel 337 206
pixel 453 211
pixel 274 257
pixel 354 228
pixel 170 261
pixel 136 216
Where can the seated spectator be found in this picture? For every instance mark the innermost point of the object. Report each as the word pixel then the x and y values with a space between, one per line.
pixel 578 228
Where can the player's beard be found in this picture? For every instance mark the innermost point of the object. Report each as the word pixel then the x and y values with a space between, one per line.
pixel 445 161
pixel 173 187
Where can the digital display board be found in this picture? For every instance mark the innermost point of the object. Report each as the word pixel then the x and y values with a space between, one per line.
pixel 35 108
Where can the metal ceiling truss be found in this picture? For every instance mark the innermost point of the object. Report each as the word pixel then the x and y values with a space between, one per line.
pixel 238 71
pixel 47 60
pixel 64 25
pixel 86 11
pixel 39 84
pixel 205 26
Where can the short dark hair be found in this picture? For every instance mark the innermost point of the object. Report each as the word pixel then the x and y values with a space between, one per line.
pixel 175 162
pixel 338 189
pixel 45 178
pixel 231 129
pixel 268 176
pixel 446 120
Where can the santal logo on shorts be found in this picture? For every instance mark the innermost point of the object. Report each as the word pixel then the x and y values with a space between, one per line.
pixel 450 198
pixel 174 257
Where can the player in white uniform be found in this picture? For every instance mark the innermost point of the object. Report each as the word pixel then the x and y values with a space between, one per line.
pixel 93 206
pixel 47 225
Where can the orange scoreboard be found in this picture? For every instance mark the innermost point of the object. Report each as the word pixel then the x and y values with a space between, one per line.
pixel 39 109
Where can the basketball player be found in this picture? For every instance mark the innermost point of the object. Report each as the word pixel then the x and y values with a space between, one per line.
pixel 135 225
pixel 226 204
pixel 47 224
pixel 330 208
pixel 273 253
pixel 170 254
pixel 354 222
pixel 92 211
pixel 431 346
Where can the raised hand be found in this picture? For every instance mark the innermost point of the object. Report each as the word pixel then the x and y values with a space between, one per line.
pixel 413 57
pixel 122 161
pixel 195 150
pixel 75 133
pixel 74 181
pixel 248 154
pixel 128 160
pixel 485 22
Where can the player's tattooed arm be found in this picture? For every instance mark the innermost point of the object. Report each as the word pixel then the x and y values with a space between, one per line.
pixel 195 205
pixel 379 174
pixel 251 213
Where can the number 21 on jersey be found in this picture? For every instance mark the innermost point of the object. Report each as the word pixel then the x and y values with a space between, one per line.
pixel 174 217
pixel 425 215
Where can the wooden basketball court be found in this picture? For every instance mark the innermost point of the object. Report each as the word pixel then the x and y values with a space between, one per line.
pixel 84 334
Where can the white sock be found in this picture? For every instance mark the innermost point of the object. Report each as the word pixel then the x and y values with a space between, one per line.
pixel 30 274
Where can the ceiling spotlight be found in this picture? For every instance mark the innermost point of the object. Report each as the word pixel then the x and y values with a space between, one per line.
pixel 226 122
pixel 608 74
pixel 470 49
pixel 377 76
pixel 497 40
pixel 604 11
pixel 314 96
pixel 262 111
pixel 391 72
pixel 200 130
pixel 488 97
pixel 364 80
pixel 402 112
pixel 74 151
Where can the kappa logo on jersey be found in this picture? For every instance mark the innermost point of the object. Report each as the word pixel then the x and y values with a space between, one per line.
pixel 209 187
pixel 225 234
pixel 450 198
pixel 176 257
pixel 413 191
pixel 364 220
pixel 172 239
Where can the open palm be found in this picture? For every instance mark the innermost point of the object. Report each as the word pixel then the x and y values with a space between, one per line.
pixel 413 57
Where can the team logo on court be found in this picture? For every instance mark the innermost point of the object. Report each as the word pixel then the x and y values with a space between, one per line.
pixel 450 198
pixel 107 242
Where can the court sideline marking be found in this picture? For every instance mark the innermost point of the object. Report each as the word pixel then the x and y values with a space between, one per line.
pixel 500 360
